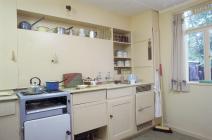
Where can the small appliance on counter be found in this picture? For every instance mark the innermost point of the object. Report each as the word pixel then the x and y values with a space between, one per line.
pixel 131 79
pixel 45 116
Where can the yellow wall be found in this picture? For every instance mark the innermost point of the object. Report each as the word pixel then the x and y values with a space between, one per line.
pixel 80 11
pixel 191 112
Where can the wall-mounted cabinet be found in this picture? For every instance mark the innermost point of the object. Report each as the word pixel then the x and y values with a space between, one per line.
pixel 48 56
pixel 8 45
pixel 122 51
pixel 145 45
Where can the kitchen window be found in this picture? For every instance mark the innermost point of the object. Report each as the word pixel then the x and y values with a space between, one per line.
pixel 198 43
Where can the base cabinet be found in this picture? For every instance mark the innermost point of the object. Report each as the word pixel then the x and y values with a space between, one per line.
pixel 9 121
pixel 120 114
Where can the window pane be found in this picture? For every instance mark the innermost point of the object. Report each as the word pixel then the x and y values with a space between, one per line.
pixel 197 20
pixel 195 42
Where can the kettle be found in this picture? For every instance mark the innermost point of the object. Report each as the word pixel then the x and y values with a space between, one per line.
pixel 35 87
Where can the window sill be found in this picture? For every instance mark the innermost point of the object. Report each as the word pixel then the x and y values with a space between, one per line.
pixel 199 84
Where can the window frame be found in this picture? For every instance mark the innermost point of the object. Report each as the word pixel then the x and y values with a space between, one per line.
pixel 207 57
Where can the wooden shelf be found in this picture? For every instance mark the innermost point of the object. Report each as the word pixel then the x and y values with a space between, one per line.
pixel 121 58
pixel 122 67
pixel 102 32
pixel 122 43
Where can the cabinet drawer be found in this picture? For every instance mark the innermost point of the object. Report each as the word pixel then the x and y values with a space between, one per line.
pixel 88 97
pixel 119 92
pixel 89 116
pixel 144 114
pixel 144 99
pixel 7 108
pixel 144 107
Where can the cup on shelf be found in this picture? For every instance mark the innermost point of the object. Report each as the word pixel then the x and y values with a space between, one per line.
pixel 120 63
pixel 119 53
pixel 125 54
pixel 127 63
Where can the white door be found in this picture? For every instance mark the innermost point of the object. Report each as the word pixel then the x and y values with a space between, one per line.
pixel 120 118
pixel 8 45
pixel 140 53
pixel 51 128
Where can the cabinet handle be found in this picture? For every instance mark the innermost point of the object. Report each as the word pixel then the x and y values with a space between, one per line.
pixel 54 59
pixel 111 116
pixel 143 108
pixel 13 58
pixel 68 7
pixel 68 132
pixel 149 50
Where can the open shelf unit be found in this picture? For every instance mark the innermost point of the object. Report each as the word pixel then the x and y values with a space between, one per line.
pixel 51 22
pixel 122 51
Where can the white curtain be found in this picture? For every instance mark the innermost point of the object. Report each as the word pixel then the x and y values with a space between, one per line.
pixel 178 81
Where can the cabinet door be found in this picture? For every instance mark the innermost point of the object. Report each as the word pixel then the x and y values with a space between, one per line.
pixel 9 121
pixel 48 7
pixel 120 118
pixel 69 54
pixel 50 128
pixel 8 45
pixel 141 54
pixel 35 55
pixel 89 116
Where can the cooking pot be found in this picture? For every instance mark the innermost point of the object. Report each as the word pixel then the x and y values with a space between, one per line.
pixel 62 30
pixel 42 29
pixel 26 25
pixel 53 85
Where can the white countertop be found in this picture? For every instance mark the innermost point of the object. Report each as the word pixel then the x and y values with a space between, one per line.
pixel 10 94
pixel 101 87
pixel 7 95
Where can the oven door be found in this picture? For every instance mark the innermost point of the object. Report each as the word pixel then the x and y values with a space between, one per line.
pixel 50 128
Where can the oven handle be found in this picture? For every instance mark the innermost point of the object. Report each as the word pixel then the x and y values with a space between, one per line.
pixel 46 109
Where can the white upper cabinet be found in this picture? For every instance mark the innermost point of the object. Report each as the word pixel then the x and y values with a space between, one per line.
pixel 141 54
pixel 8 45
pixel 47 7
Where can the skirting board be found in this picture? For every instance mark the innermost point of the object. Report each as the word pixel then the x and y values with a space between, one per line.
pixel 183 131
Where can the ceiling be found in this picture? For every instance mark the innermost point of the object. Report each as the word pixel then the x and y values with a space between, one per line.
pixel 131 7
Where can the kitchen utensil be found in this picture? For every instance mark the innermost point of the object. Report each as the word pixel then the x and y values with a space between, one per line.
pixel 53 85
pixel 82 32
pixel 26 25
pixel 35 87
pixel 92 34
pixel 72 79
pixel 62 30
pixel 68 31
pixel 42 29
